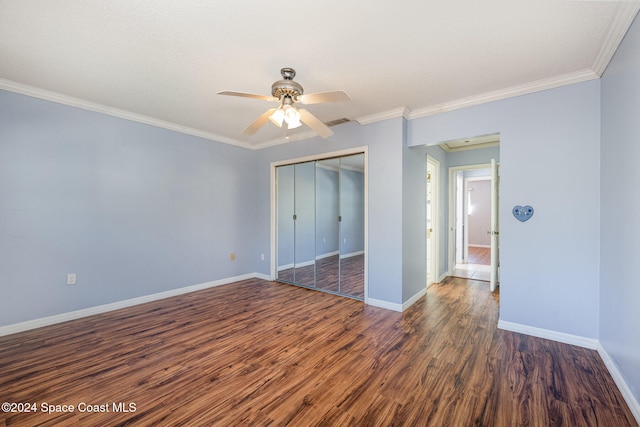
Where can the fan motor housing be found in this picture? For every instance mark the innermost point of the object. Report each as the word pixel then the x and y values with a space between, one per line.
pixel 286 88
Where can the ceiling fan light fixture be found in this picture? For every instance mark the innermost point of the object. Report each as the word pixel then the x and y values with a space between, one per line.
pixel 292 124
pixel 277 117
pixel 291 116
pixel 289 92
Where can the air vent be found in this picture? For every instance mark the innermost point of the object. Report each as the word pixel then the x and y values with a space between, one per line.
pixel 337 122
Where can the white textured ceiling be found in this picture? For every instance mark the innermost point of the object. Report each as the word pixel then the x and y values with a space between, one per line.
pixel 162 62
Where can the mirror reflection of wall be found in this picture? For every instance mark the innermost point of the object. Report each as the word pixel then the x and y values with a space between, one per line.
pixel 304 223
pixel 352 225
pixel 320 236
pixel 327 224
pixel 285 210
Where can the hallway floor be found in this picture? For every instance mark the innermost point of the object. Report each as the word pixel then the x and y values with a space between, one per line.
pixel 479 266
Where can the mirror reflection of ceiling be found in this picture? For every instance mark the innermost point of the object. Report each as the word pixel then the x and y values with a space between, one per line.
pixel 355 163
pixel 351 162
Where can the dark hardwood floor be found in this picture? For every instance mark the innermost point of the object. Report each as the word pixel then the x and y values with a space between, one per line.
pixel 479 255
pixel 265 353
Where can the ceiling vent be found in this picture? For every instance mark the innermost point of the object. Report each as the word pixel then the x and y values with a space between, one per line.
pixel 337 122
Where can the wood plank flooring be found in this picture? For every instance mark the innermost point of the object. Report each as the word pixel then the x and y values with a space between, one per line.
pixel 479 255
pixel 264 353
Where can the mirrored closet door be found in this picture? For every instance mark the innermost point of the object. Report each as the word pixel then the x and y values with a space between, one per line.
pixel 352 225
pixel 320 225
pixel 296 223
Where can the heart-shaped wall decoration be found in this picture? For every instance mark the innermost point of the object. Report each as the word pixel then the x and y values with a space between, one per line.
pixel 522 213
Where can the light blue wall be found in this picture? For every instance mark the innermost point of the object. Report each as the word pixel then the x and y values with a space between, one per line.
pixel 620 229
pixel 473 157
pixel 385 214
pixel 131 209
pixel 549 159
pixel 414 221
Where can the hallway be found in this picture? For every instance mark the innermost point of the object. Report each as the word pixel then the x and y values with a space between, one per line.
pixel 479 266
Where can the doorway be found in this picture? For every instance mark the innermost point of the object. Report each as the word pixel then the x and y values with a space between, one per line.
pixel 473 216
pixel 474 248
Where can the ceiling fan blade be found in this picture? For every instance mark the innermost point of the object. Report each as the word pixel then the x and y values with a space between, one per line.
pixel 259 122
pixel 247 95
pixel 321 97
pixel 314 123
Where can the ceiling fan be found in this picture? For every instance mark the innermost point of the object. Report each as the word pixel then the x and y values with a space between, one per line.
pixel 288 93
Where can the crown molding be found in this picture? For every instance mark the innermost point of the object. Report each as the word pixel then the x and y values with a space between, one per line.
pixel 550 83
pixel 627 11
pixel 384 115
pixel 625 15
pixel 510 92
pixel 623 19
pixel 59 98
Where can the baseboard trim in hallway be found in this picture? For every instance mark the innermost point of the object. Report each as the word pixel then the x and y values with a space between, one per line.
pixel 590 343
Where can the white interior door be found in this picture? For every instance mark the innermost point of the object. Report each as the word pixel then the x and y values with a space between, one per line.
pixel 433 172
pixel 495 232
pixel 459 214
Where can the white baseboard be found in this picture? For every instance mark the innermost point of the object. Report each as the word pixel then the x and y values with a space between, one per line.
pixel 384 304
pixel 72 315
pixel 263 276
pixel 395 306
pixel 285 267
pixel 625 390
pixel 590 343
pixel 349 255
pixel 296 265
pixel 321 256
pixel 327 255
pixel 479 246
pixel 408 303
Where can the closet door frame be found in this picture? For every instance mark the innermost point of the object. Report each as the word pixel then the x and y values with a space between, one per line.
pixel 273 191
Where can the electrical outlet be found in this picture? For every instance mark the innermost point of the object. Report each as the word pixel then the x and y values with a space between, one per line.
pixel 261 257
pixel 71 279
pixel 232 256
